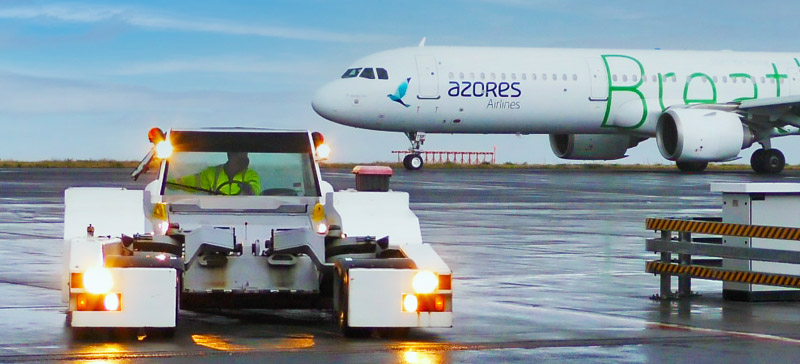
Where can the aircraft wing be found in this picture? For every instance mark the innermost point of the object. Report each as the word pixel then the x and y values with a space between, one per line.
pixel 773 111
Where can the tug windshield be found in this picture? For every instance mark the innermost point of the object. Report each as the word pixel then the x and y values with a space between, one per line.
pixel 241 164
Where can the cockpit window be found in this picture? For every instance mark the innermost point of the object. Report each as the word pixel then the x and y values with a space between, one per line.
pixel 382 74
pixel 368 73
pixel 352 72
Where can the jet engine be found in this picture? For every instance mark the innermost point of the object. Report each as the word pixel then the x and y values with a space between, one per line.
pixel 701 135
pixel 591 146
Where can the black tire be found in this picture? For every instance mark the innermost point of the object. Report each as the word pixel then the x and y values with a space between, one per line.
pixel 413 162
pixel 692 166
pixel 757 160
pixel 774 161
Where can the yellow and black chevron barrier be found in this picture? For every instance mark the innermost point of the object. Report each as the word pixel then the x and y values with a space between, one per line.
pixel 719 228
pixel 695 271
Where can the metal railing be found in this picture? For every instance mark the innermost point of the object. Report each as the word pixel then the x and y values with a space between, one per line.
pixel 441 156
pixel 676 238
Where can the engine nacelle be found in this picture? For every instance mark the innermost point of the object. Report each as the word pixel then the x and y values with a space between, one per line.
pixel 701 135
pixel 591 146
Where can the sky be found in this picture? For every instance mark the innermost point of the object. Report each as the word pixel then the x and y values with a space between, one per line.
pixel 87 79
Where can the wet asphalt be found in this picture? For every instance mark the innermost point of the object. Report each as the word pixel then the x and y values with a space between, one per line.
pixel 548 267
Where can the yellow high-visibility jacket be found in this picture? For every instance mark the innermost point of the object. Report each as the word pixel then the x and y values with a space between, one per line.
pixel 214 178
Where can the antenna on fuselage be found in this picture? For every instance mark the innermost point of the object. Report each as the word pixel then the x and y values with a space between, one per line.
pixel 422 42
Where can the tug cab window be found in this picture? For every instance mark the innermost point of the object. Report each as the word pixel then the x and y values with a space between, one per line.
pixel 352 72
pixel 382 74
pixel 240 164
pixel 368 73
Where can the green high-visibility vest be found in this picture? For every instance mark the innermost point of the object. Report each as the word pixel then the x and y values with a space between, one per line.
pixel 215 179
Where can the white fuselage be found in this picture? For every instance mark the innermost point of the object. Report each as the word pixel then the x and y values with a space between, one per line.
pixel 526 90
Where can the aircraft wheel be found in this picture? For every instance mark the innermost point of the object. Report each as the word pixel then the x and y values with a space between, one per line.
pixel 692 166
pixel 413 162
pixel 757 160
pixel 773 161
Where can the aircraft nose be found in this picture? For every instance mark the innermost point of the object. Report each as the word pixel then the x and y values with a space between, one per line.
pixel 325 102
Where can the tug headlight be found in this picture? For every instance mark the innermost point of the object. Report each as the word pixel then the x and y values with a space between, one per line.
pixel 323 151
pixel 111 302
pixel 410 303
pixel 163 149
pixel 425 282
pixel 97 280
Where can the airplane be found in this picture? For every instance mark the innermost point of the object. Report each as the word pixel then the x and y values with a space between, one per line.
pixel 701 106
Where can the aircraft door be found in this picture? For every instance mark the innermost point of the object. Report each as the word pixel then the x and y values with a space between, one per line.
pixel 599 79
pixel 428 77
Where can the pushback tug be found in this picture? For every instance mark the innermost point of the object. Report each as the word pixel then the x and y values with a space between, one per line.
pixel 277 236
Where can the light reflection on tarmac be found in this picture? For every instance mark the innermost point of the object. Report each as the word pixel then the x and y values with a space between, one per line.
pixel 548 266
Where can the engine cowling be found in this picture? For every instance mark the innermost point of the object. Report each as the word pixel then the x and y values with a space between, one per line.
pixel 591 146
pixel 701 135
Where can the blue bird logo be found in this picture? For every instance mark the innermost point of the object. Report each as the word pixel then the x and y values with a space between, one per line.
pixel 400 93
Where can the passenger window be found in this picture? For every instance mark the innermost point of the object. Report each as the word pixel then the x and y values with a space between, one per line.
pixel 503 76
pixel 513 76
pixel 574 77
pixel 451 75
pixel 544 77
pixel 352 72
pixel 461 75
pixel 382 74
pixel 483 76
pixel 563 77
pixel 533 76
pixel 524 77
pixel 368 73
pixel 472 75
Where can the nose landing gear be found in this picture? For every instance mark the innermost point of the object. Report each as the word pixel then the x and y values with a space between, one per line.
pixel 413 160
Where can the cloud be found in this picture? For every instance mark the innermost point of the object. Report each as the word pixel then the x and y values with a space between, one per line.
pixel 218 65
pixel 78 13
pixel 30 95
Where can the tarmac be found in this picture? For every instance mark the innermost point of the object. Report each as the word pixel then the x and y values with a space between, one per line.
pixel 548 267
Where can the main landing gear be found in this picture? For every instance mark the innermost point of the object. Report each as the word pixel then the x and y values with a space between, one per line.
pixel 413 160
pixel 767 161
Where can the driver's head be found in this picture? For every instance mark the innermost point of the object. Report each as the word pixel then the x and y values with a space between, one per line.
pixel 238 161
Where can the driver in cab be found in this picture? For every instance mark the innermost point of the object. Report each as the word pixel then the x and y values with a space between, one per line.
pixel 231 178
